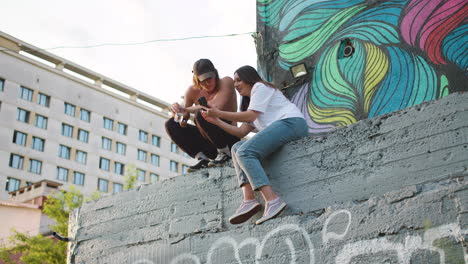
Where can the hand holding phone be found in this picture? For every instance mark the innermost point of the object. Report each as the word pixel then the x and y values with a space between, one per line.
pixel 202 101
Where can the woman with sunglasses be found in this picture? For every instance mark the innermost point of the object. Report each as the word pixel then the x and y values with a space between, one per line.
pixel 204 141
pixel 278 122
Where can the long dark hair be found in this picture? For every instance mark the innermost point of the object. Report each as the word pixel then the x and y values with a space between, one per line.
pixel 249 75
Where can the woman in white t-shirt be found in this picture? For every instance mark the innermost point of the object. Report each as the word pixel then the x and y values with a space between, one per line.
pixel 278 121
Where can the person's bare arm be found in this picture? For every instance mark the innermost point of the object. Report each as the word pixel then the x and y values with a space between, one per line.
pixel 245 116
pixel 239 132
pixel 191 96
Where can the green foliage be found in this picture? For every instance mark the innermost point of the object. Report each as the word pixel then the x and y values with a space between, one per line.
pixel 5 255
pixel 34 249
pixel 94 196
pixel 130 177
pixel 39 249
pixel 59 205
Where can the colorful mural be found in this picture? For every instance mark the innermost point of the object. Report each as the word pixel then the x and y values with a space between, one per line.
pixel 404 52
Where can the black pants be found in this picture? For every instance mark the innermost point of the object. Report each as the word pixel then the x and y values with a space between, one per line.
pixel 203 137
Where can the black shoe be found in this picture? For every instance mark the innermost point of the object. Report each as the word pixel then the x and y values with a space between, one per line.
pixel 220 160
pixel 202 163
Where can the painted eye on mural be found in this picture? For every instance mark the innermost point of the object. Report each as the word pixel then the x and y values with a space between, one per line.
pixel 346 49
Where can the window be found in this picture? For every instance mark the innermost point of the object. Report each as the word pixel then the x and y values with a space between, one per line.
pixel 174 147
pixel 19 138
pixel 103 185
pixel 155 160
pixel 141 175
pixel 106 143
pixel 122 128
pixel 29 183
pixel 117 187
pixel 85 115
pixel 41 121
pixel 2 84
pixel 119 168
pixel 16 161
pixel 22 115
pixel 141 155
pixel 184 169
pixel 67 130
pixel 108 123
pixel 81 156
pixel 64 152
pixel 70 109
pixel 174 166
pixel 37 144
pixel 156 141
pixel 62 174
pixel 78 178
pixel 35 166
pixel 83 135
pixel 120 148
pixel 43 100
pixel 154 177
pixel 26 93
pixel 12 184
pixel 104 164
pixel 143 136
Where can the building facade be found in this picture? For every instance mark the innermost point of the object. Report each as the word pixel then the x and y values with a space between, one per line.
pixel 65 123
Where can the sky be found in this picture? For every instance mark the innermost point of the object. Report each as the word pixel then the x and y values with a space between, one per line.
pixel 160 69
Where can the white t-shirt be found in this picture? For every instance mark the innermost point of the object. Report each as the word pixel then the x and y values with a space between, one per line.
pixel 272 104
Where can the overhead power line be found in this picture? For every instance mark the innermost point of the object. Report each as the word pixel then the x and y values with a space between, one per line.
pixel 141 43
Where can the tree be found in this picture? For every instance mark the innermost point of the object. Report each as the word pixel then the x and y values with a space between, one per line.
pixel 59 205
pixel 130 177
pixel 34 249
pixel 39 249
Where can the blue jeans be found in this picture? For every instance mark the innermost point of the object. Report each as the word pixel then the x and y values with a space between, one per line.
pixel 247 154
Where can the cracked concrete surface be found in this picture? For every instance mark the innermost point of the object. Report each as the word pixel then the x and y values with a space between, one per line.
pixel 392 189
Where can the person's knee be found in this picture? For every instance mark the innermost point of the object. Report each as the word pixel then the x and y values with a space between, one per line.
pixel 246 153
pixel 235 147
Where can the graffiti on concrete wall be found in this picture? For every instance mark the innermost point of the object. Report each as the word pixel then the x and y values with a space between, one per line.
pixel 298 246
pixel 366 57
pixel 258 245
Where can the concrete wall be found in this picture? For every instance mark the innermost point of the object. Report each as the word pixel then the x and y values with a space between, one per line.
pixel 405 52
pixel 392 189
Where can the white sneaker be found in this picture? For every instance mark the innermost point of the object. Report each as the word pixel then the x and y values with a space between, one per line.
pixel 272 210
pixel 219 160
pixel 245 211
